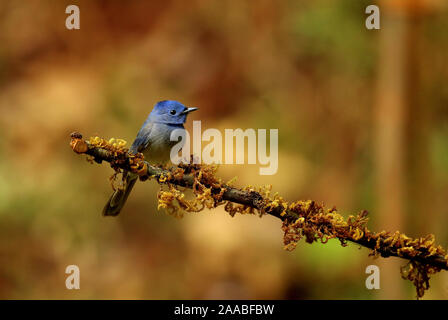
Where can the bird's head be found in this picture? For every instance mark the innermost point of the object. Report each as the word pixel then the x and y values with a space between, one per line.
pixel 169 112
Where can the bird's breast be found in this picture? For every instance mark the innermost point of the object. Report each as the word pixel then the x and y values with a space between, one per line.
pixel 159 143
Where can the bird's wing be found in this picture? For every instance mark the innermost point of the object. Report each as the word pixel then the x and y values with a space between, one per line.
pixel 142 140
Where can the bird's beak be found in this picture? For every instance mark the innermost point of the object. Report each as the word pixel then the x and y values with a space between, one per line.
pixel 188 110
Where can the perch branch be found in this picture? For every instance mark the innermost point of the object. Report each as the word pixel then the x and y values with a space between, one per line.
pixel 300 219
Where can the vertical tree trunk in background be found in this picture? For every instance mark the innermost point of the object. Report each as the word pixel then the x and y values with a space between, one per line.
pixel 419 179
pixel 424 217
pixel 390 120
pixel 401 146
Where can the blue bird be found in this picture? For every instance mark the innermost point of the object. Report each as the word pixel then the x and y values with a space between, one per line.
pixel 153 140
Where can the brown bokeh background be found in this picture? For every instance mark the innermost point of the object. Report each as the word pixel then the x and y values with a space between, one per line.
pixel 362 118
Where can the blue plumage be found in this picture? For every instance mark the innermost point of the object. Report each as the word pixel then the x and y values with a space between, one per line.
pixel 153 140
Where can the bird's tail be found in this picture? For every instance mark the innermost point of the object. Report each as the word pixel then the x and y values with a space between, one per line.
pixel 118 198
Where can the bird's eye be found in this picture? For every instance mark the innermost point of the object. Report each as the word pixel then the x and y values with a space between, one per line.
pixel 173 112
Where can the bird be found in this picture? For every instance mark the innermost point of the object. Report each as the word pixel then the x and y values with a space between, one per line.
pixel 153 140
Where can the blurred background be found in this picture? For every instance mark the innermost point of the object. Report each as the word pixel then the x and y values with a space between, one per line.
pixel 362 118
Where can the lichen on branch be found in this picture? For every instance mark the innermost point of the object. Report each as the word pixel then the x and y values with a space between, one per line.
pixel 300 219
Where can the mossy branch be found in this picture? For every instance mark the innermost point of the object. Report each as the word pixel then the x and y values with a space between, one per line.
pixel 301 219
